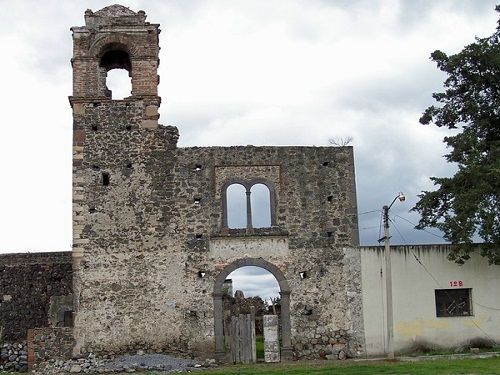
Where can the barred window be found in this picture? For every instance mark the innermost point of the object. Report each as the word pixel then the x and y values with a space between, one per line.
pixel 453 302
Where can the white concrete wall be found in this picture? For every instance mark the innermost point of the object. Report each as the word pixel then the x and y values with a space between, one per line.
pixel 414 303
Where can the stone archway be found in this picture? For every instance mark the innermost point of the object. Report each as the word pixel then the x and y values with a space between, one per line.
pixel 286 349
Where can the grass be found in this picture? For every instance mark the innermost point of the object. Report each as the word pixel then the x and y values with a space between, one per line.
pixel 467 366
pixel 259 344
pixel 488 366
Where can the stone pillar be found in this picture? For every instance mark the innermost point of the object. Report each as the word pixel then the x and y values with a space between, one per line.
pixel 286 332
pixel 218 327
pixel 271 338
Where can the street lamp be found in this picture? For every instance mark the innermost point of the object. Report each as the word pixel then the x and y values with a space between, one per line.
pixel 388 277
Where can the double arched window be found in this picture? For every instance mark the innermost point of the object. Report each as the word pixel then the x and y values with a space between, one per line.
pixel 248 205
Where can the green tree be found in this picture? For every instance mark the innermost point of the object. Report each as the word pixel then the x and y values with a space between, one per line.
pixel 467 205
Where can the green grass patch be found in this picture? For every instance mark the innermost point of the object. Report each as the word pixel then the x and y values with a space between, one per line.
pixel 488 366
pixel 259 345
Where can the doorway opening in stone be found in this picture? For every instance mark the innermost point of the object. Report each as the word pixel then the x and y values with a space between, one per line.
pixel 255 291
pixel 231 307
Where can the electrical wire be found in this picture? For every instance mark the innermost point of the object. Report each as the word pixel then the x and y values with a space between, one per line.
pixel 418 260
pixel 369 212
pixel 397 230
pixel 439 284
pixel 366 228
pixel 424 230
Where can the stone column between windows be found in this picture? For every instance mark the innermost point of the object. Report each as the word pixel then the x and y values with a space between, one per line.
pixel 249 209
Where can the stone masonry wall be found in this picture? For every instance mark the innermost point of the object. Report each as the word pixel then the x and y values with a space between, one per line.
pixel 139 283
pixel 27 282
pixel 49 343
pixel 315 217
pixel 149 231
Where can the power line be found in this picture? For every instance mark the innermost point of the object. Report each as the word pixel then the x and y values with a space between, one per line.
pixel 439 284
pixel 414 225
pixel 366 228
pixel 397 230
pixel 400 217
pixel 487 307
pixel 369 212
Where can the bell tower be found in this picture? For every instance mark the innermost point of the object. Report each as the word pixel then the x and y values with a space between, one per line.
pixel 115 38
pixel 122 163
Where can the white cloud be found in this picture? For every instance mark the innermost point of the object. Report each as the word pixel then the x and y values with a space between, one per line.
pixel 255 281
pixel 240 72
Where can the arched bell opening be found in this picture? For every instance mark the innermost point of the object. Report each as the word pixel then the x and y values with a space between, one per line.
pixel 115 70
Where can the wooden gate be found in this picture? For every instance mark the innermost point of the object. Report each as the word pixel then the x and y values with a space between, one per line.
pixel 242 339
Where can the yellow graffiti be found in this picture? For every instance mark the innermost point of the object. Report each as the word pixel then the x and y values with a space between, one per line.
pixel 411 329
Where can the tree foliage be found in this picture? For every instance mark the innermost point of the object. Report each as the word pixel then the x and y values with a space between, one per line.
pixel 467 205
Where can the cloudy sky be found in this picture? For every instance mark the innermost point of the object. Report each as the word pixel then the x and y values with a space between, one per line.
pixel 255 281
pixel 237 72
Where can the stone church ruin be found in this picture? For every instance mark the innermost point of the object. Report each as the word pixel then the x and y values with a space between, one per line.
pixel 152 242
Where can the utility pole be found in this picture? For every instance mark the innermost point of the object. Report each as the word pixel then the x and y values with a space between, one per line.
pixel 388 286
pixel 388 278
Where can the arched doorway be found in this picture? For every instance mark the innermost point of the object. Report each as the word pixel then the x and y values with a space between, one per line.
pixel 286 350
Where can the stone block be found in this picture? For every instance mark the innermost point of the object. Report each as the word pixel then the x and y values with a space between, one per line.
pixel 152 111
pixel 81 241
pixel 149 124
pixel 78 109
pixel 78 137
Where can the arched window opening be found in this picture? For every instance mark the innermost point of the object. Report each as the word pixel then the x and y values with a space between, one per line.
pixel 116 67
pixel 260 198
pixel 236 206
pixel 116 59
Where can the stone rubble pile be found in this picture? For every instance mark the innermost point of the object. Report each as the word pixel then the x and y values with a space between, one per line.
pixel 14 357
pixel 129 364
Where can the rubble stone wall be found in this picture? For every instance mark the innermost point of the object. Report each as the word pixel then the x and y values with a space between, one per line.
pixel 13 357
pixel 27 283
pixel 149 230
pixel 147 236
pixel 49 343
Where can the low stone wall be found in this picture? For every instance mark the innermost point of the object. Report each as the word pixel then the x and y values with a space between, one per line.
pixel 50 343
pixel 28 281
pixel 13 357
pixel 330 345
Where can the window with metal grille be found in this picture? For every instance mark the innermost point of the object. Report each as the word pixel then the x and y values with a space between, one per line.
pixel 453 302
